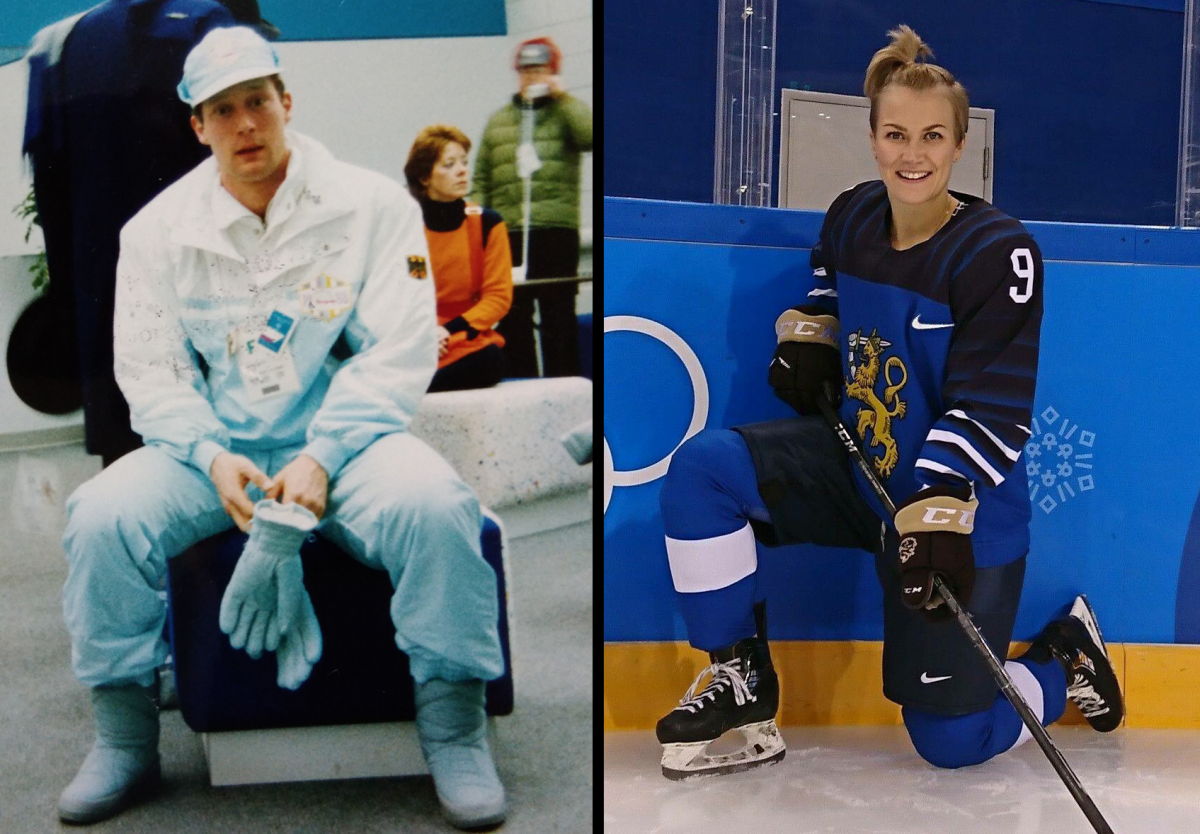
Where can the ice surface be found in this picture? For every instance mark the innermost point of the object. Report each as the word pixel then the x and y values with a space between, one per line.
pixel 868 780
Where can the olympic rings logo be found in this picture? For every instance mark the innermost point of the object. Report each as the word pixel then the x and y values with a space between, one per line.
pixel 691 363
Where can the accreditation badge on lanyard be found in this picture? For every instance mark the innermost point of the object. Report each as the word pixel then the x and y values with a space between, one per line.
pixel 266 362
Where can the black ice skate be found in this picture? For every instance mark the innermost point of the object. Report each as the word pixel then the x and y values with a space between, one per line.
pixel 743 695
pixel 1075 642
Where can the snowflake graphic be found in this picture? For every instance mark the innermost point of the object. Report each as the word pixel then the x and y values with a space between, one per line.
pixel 1057 462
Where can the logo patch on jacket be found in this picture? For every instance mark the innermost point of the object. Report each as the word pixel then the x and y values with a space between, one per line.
pixel 416 266
pixel 325 298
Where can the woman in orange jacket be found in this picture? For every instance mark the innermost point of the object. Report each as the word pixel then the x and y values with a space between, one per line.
pixel 470 259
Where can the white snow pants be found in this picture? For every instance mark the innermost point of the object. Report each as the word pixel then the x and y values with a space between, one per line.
pixel 397 506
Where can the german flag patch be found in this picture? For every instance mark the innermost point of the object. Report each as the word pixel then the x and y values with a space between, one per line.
pixel 416 266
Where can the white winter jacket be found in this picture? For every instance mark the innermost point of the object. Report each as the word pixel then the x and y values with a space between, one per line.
pixel 342 254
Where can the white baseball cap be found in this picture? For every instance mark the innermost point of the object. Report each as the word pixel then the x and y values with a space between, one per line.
pixel 533 55
pixel 224 57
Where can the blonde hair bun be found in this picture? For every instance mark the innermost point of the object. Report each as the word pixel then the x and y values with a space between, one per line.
pixel 899 63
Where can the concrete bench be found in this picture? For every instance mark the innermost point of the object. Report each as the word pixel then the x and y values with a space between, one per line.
pixel 505 442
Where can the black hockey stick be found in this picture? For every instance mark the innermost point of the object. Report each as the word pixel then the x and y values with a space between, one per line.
pixel 824 402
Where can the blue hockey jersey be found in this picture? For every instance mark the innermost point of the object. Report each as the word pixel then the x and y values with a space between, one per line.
pixel 939 353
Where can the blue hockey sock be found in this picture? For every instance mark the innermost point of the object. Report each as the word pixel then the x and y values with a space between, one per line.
pixel 716 619
pixel 707 496
pixel 1045 679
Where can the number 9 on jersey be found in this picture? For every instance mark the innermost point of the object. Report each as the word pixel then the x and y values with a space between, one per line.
pixel 1022 261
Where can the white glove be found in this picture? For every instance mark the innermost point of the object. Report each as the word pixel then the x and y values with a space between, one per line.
pixel 263 596
pixel 299 647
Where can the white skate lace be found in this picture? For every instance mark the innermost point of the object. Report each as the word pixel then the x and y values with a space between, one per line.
pixel 1086 698
pixel 722 674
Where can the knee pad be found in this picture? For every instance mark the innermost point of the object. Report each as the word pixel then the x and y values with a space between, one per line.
pixel 949 741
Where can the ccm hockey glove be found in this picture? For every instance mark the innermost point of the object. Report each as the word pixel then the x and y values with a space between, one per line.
pixel 935 528
pixel 806 357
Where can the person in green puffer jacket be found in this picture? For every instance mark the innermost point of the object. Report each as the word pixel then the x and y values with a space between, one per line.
pixel 562 133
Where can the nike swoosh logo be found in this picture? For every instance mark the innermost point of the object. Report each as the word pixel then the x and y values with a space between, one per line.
pixel 926 679
pixel 921 325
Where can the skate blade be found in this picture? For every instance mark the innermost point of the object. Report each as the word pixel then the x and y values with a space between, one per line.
pixel 764 746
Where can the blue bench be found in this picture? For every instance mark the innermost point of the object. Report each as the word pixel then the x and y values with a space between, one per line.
pixel 585 344
pixel 361 678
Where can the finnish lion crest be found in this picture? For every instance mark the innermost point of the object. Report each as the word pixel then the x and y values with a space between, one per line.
pixel 866 355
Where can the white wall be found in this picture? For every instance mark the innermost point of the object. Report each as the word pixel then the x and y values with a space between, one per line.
pixel 16 292
pixel 366 100
pixel 14 180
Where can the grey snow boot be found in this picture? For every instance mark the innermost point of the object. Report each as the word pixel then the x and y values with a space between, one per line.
pixel 123 765
pixel 452 728
pixel 578 443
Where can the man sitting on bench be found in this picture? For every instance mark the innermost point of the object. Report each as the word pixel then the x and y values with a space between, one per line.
pixel 239 290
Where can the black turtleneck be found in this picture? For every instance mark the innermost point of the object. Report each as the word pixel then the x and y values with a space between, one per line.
pixel 442 216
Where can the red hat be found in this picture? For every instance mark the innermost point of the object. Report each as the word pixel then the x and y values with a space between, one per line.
pixel 537 52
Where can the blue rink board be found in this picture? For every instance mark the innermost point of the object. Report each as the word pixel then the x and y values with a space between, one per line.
pixel 1117 425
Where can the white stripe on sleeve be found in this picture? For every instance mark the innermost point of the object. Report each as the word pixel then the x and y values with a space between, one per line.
pixel 938 435
pixel 1011 454
pixel 941 469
